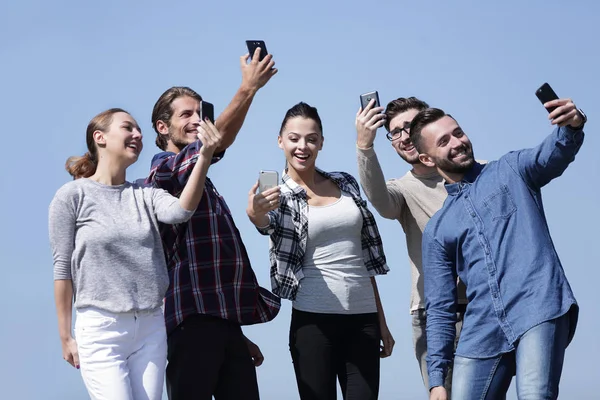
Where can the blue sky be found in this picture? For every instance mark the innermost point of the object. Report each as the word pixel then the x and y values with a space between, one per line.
pixel 62 62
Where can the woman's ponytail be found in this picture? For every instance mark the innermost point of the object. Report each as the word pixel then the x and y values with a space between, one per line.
pixel 81 167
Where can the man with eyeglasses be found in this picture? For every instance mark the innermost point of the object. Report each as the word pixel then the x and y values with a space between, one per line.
pixel 411 199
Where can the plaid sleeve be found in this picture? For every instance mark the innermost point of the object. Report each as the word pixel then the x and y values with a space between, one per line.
pixel 171 171
pixel 286 251
pixel 270 227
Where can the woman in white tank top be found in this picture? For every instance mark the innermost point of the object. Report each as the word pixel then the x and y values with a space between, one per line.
pixel 325 250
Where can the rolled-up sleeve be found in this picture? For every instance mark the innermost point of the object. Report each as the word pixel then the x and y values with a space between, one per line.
pixel 270 227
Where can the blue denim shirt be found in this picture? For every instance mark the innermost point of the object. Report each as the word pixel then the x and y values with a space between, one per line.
pixel 493 234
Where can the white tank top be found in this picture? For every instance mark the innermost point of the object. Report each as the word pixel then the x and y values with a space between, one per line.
pixel 335 279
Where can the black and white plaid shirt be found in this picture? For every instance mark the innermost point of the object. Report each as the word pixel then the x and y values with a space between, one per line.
pixel 288 231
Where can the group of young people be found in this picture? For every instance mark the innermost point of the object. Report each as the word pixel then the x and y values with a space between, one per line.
pixel 161 281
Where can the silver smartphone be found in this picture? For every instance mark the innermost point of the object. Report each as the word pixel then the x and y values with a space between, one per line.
pixel 267 180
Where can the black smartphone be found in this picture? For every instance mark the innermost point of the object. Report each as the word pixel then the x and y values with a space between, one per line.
pixel 253 44
pixel 367 97
pixel 546 94
pixel 208 110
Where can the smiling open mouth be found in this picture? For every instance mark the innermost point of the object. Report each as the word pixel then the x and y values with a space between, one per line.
pixel 461 154
pixel 134 146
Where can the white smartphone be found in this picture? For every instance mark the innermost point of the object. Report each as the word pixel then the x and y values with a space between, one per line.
pixel 267 180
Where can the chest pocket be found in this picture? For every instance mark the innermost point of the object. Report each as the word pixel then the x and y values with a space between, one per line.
pixel 500 204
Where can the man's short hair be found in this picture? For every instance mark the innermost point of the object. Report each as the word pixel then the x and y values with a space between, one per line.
pixel 163 111
pixel 421 120
pixel 400 105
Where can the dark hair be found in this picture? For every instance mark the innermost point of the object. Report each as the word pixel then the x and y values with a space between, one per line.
pixel 305 111
pixel 163 111
pixel 85 166
pixel 421 120
pixel 400 105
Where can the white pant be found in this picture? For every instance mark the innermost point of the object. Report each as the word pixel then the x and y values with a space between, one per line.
pixel 122 356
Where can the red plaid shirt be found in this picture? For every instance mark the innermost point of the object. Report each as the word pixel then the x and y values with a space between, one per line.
pixel 209 268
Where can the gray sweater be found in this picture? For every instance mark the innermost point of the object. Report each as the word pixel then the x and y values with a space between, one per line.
pixel 106 240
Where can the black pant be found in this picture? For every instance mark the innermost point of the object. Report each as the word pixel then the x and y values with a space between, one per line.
pixel 326 346
pixel 208 357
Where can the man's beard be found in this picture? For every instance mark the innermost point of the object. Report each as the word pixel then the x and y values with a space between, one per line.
pixel 178 141
pixel 453 167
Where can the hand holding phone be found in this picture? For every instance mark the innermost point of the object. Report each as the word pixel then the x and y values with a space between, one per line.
pixel 569 113
pixel 546 94
pixel 208 111
pixel 259 204
pixel 367 120
pixel 253 45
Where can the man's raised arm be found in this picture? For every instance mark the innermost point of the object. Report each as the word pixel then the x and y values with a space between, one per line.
pixel 254 76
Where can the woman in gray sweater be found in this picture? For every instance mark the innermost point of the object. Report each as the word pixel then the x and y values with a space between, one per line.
pixel 109 262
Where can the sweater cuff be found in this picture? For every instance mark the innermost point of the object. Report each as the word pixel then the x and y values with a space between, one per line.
pixel 368 152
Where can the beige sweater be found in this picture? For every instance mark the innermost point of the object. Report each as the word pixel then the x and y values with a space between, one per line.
pixel 412 200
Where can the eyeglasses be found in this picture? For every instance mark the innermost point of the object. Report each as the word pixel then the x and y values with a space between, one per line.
pixel 397 133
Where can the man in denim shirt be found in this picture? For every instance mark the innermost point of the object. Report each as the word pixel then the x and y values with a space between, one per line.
pixel 492 233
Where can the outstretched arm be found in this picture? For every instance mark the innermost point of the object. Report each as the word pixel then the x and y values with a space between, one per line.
pixel 539 165
pixel 254 76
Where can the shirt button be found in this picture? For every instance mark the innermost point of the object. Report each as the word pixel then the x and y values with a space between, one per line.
pixel 466 196
pixel 473 214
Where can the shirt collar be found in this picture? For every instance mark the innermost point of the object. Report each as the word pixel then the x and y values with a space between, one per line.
pixel 296 189
pixel 290 185
pixel 470 177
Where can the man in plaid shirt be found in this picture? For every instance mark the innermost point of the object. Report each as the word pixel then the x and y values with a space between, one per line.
pixel 213 290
